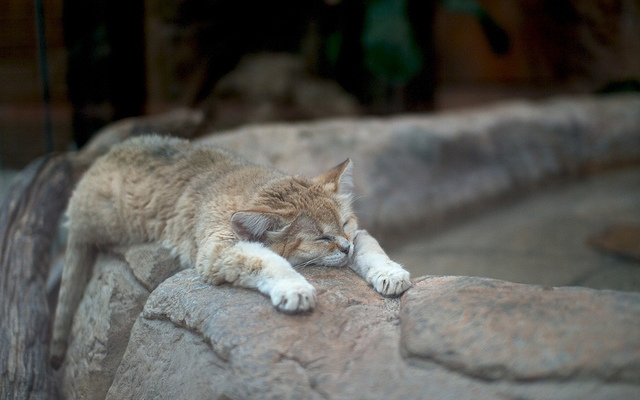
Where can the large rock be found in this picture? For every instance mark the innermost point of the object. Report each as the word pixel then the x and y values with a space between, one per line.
pixel 501 330
pixel 447 338
pixel 116 294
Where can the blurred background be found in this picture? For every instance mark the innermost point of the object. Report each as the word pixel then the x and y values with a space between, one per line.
pixel 68 67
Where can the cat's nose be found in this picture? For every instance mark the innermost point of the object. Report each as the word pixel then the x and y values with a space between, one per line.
pixel 344 245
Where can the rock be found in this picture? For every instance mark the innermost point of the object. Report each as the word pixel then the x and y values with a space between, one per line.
pixel 150 264
pixel 262 77
pixel 500 330
pixel 101 330
pixel 28 217
pixel 276 87
pixel 417 172
pixel 447 338
pixel 113 299
pixel 253 350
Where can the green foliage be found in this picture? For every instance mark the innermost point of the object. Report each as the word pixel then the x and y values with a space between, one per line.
pixel 390 51
pixel 332 47
pixel 463 6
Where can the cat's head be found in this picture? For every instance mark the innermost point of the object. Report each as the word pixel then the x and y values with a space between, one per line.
pixel 307 221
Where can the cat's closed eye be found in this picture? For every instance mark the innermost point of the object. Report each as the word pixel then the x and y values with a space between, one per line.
pixel 325 239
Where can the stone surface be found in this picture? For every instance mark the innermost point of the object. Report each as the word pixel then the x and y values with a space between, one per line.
pixel 500 330
pixel 116 294
pixel 276 87
pixel 541 239
pixel 448 337
pixel 28 216
pixel 101 329
pixel 150 264
pixel 262 353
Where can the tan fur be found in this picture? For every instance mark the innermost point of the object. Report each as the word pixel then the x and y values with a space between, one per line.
pixel 232 220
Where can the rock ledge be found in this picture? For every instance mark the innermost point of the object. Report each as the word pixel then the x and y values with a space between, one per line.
pixel 447 337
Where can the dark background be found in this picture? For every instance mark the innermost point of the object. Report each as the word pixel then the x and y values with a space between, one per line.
pixel 113 59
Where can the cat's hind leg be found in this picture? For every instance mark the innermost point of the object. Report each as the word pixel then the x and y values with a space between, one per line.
pixel 252 265
pixel 372 263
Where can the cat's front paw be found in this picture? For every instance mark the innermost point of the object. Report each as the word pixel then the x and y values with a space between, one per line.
pixel 391 283
pixel 390 279
pixel 293 296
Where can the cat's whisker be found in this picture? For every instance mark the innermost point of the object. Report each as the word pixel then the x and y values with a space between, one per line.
pixel 309 262
pixel 354 198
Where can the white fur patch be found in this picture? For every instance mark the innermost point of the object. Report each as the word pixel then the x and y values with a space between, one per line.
pixel 289 291
pixel 372 263
pixel 386 276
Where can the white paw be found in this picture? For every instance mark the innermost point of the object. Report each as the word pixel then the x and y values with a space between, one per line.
pixel 389 279
pixel 293 295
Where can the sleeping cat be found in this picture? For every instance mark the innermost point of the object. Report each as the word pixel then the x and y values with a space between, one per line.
pixel 232 220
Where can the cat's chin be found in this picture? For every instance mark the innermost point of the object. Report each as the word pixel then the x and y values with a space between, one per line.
pixel 339 263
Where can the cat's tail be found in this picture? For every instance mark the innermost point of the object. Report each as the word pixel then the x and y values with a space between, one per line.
pixel 80 257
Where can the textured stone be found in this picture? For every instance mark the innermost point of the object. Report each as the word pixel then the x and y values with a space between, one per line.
pixel 116 294
pixel 500 330
pixel 100 333
pixel 150 264
pixel 540 239
pixel 263 353
pixel 194 340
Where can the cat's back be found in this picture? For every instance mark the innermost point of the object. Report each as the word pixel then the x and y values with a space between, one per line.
pixel 144 183
pixel 166 167
pixel 166 160
pixel 157 151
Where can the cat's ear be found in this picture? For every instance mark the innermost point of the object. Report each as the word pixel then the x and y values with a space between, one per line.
pixel 338 179
pixel 253 225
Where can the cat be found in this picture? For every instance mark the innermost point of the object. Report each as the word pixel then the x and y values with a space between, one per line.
pixel 232 220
